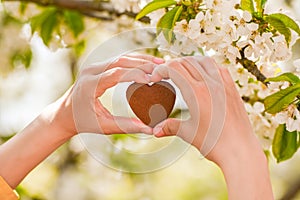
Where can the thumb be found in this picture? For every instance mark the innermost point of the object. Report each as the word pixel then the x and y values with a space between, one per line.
pixel 167 127
pixel 126 125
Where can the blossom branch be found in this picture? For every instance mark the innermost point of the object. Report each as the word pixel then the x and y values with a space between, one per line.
pixel 251 67
pixel 87 8
pixel 292 191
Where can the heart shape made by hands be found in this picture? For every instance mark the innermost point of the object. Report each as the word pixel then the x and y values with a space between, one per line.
pixel 151 103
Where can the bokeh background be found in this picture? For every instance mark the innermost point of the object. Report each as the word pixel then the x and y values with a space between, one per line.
pixel 32 75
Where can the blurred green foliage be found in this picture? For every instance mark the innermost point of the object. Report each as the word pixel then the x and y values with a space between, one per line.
pixel 71 173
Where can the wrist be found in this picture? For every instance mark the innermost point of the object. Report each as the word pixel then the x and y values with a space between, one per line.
pixel 59 117
pixel 51 130
pixel 244 165
pixel 234 143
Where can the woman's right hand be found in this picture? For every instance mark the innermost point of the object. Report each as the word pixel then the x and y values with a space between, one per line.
pixel 218 125
pixel 201 83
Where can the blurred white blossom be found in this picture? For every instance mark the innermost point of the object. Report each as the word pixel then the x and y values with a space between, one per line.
pixel 290 116
pixel 230 34
pixel 126 5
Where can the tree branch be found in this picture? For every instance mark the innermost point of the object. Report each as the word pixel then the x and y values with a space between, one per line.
pixel 292 191
pixel 87 8
pixel 251 67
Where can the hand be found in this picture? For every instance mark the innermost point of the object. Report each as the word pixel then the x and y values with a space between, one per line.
pixel 211 104
pixel 80 110
pixel 202 86
pixel 234 146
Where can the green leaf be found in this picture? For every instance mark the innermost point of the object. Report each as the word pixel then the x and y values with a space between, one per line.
pixel 7 19
pixel 278 25
pixel 260 5
pixel 22 8
pixel 247 5
pixel 37 21
pixel 186 2
pixel 290 77
pixel 298 139
pixel 46 22
pixel 79 47
pixel 47 28
pixel 263 3
pixel 74 21
pixel 284 143
pixel 287 21
pixel 155 5
pixel 279 100
pixel 21 57
pixel 177 14
pixel 167 22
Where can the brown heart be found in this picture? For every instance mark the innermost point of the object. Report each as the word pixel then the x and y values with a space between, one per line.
pixel 151 104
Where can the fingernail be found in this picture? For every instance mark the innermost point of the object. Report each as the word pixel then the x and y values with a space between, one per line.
pixel 158 60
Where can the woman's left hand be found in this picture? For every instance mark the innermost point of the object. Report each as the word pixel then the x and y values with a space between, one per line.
pixel 80 110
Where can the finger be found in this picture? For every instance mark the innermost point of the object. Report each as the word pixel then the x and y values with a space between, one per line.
pixel 182 79
pixel 190 64
pixel 151 58
pixel 167 127
pixel 163 71
pixel 226 76
pixel 216 88
pixel 209 65
pixel 160 72
pixel 119 125
pixel 114 76
pixel 131 62
pixel 230 85
pixel 124 62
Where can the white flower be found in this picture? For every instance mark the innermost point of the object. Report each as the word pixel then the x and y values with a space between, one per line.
pixel 126 5
pixel 263 91
pixel 155 16
pixel 162 42
pixel 195 26
pixel 293 123
pixel 260 46
pixel 182 28
pixel 282 117
pixel 280 51
pixel 184 45
pixel 232 53
pixel 247 16
pixel 268 69
pixel 243 25
pixel 296 63
pixel 261 123
pixel 290 117
pixel 275 86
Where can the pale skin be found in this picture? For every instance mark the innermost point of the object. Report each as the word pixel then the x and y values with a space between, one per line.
pixel 237 152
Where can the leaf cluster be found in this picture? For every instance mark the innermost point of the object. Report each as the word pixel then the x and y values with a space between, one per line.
pixel 48 22
pixel 185 9
pixel 285 143
pixel 275 23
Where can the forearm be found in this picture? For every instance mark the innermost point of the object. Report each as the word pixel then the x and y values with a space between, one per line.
pixel 28 148
pixel 246 172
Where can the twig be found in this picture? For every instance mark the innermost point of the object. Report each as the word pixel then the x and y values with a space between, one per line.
pixel 87 8
pixel 292 191
pixel 251 67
